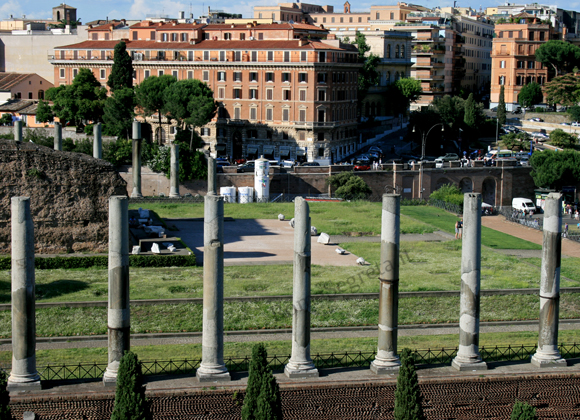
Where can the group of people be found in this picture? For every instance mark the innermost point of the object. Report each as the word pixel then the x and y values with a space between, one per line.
pixel 572 211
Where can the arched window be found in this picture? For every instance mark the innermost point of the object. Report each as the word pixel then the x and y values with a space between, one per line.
pixel 388 78
pixel 388 54
pixel 57 15
pixel 397 51
pixel 402 51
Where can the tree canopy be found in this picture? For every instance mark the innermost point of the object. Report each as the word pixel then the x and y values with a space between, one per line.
pixel 559 55
pixel 530 94
pixel 560 138
pixel 555 169
pixel 190 102
pixel 574 112
pixel 150 95
pixel 501 112
pixel 410 88
pixel 368 75
pixel 119 112
pixel 43 112
pixel 83 100
pixel 122 71
pixel 563 90
pixel 470 112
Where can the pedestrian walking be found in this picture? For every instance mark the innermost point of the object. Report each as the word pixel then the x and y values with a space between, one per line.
pixel 460 227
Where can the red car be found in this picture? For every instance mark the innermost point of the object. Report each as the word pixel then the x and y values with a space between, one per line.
pixel 361 166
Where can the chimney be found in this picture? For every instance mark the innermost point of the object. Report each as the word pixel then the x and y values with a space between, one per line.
pixel 302 42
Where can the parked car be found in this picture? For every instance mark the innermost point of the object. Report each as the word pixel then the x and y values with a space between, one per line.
pixel 310 164
pixel 565 123
pixel 448 157
pixel 575 124
pixel 363 158
pixel 246 167
pixel 288 164
pixel 375 149
pixel 439 163
pixel 220 163
pixel 536 119
pixel 518 110
pixel 540 136
pixel 494 109
pixel 362 166
pixel 524 161
pixel 524 204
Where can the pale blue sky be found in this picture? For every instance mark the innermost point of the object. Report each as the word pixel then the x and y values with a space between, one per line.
pixel 139 9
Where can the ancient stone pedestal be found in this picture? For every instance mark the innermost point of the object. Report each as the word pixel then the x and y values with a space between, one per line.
pixel 211 176
pixel 300 364
pixel 24 374
pixel 548 354
pixel 468 357
pixel 58 136
pixel 212 367
pixel 174 176
pixel 97 141
pixel 119 314
pixel 386 360
pixel 136 193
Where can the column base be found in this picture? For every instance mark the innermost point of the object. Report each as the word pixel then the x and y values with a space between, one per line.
pixel 300 373
pixel 28 383
pixel 464 366
pixel 110 375
pixel 213 377
pixel 385 367
pixel 174 195
pixel 541 362
pixel 136 194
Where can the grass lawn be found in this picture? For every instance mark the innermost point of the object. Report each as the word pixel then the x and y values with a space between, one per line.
pixel 284 348
pixel 358 218
pixel 445 221
pixel 569 267
pixel 278 314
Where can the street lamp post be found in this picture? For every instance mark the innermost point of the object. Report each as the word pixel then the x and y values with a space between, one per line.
pixel 423 141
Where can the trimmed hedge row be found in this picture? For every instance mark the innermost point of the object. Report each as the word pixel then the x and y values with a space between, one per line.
pixel 102 261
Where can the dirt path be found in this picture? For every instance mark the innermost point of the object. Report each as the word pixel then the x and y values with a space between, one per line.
pixel 499 223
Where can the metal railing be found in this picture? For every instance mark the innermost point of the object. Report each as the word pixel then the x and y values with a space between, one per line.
pixel 423 358
pixel 453 208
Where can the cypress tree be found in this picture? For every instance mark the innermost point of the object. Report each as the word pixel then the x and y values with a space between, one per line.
pixel 501 114
pixel 258 366
pixel 130 401
pixel 408 395
pixel 4 398
pixel 122 71
pixel 523 411
pixel 469 117
pixel 269 404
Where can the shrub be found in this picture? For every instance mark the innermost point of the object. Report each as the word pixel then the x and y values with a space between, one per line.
pixel 258 366
pixel 449 194
pixel 523 411
pixel 560 138
pixel 4 397
pixel 118 152
pixel 192 164
pixel 130 401
pixel 407 394
pixel 269 405
pixel 349 186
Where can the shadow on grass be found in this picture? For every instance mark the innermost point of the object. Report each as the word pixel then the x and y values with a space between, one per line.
pixel 58 288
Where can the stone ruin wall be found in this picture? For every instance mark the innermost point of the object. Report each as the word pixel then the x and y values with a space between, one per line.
pixel 69 195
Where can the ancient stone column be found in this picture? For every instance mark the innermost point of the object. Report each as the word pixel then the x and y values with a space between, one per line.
pixel 119 320
pixel 136 160
pixel 548 354
pixel 174 180
pixel 386 360
pixel 17 130
pixel 211 176
pixel 468 357
pixel 24 373
pixel 300 364
pixel 58 136
pixel 97 141
pixel 212 366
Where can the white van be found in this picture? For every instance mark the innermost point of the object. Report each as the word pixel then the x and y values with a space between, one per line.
pixel 524 204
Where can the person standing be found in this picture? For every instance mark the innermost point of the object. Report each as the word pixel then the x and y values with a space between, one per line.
pixel 460 228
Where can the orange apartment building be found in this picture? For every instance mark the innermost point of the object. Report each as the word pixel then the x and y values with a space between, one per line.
pixel 283 90
pixel 513 58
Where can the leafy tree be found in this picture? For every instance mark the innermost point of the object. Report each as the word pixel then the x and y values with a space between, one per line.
pixel 563 90
pixel 530 94
pixel 560 138
pixel 122 71
pixel 470 112
pixel 118 152
pixel 561 56
pixel 450 109
pixel 63 22
pixel 44 112
pixel 130 401
pixel 192 163
pixel 501 113
pixel 150 95
pixel 516 140
pixel 190 102
pixel 4 397
pixel 574 112
pixel 269 404
pixel 368 75
pixel 555 169
pixel 119 112
pixel 258 366
pixel 410 89
pixel 82 100
pixel 349 186
pixel 523 411
pixel 407 394
pixel 6 119
pixel 448 193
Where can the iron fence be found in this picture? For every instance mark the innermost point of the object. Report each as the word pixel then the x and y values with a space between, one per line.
pixel 515 216
pixel 423 358
pixel 453 208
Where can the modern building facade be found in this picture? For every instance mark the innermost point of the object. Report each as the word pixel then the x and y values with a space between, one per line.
pixel 282 90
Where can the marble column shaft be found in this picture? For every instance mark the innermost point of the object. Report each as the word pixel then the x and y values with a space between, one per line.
pixel 300 363
pixel 136 193
pixel 24 373
pixel 211 176
pixel 58 136
pixel 386 360
pixel 97 141
pixel 174 175
pixel 468 357
pixel 212 366
pixel 548 353
pixel 17 130
pixel 119 313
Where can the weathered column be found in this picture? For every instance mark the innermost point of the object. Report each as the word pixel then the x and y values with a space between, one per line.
pixel 387 360
pixel 57 136
pixel 24 373
pixel 97 141
pixel 548 354
pixel 136 160
pixel 119 321
pixel 18 130
pixel 212 366
pixel 174 181
pixel 468 357
pixel 211 176
pixel 300 364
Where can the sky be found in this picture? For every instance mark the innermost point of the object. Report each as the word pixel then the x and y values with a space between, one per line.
pixel 140 9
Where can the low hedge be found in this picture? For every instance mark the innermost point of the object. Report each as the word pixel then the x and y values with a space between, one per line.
pixel 102 261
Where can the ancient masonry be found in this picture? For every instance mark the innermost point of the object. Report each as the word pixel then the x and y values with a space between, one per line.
pixel 68 194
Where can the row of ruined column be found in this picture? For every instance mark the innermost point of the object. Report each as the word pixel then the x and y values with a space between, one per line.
pixel 24 373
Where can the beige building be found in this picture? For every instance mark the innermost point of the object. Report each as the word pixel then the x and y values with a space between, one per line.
pixel 24 86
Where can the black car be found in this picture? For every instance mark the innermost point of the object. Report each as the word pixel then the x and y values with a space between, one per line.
pixel 246 167
pixel 310 164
